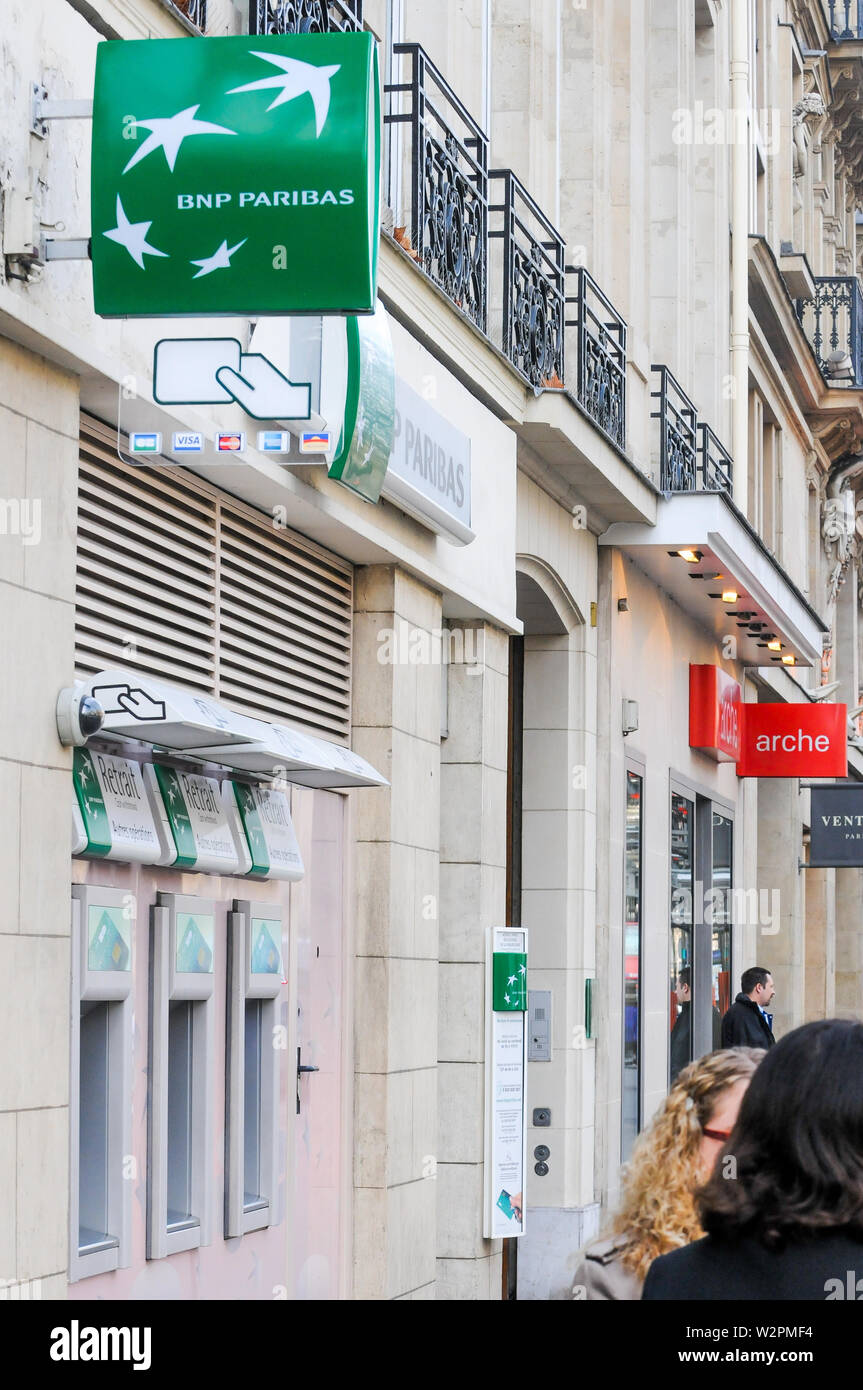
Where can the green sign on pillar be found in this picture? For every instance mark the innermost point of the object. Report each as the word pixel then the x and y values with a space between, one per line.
pixel 236 176
pixel 509 982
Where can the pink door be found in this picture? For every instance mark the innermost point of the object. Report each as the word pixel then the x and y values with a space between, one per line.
pixel 318 1224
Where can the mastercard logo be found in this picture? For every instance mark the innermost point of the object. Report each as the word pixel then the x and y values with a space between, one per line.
pixel 230 443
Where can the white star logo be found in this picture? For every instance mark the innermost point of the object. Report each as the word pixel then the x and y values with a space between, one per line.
pixel 506 997
pixel 169 132
pixel 133 235
pixel 295 80
pixel 220 259
pixel 512 980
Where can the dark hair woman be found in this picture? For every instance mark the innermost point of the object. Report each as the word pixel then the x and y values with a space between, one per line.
pixel 784 1206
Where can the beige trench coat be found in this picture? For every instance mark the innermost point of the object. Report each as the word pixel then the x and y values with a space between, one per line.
pixel 602 1275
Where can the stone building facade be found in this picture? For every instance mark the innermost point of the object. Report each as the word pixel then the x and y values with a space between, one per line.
pixel 643 310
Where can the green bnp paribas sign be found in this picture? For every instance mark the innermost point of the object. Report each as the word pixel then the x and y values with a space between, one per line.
pixel 236 176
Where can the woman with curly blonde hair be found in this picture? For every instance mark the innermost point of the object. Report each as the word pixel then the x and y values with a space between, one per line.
pixel 670 1160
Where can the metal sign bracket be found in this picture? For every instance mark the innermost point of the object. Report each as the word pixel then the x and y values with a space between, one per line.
pixel 42 110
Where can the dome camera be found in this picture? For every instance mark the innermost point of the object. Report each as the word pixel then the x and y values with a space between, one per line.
pixel 79 716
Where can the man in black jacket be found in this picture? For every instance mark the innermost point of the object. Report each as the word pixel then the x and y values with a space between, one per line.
pixel 745 1024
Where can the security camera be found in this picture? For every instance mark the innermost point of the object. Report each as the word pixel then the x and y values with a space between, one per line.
pixel 79 716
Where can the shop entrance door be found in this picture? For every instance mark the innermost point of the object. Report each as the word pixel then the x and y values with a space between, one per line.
pixel 701 880
pixel 319 1202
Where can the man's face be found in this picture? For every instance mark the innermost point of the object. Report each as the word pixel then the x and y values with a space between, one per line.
pixel 764 993
pixel 683 993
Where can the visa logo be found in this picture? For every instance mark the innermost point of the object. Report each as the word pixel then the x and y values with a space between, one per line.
pixel 230 443
pixel 189 443
pixel 145 443
pixel 274 442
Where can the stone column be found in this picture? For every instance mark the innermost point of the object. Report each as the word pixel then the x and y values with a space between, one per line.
pixel 779 843
pixel 396 718
pixel 38 486
pixel 473 897
pixel 820 998
pixel 849 943
pixel 558 902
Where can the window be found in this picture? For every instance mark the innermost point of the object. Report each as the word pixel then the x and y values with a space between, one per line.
pixel 100 1081
pixel 682 853
pixel 631 1097
pixel 180 1120
pixel 702 873
pixel 179 1178
pixel 252 1066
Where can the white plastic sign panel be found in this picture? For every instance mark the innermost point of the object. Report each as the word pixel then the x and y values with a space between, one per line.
pixel 115 808
pixel 429 471
pixel 506 1095
pixel 293 756
pixel 265 816
pixel 198 830
pixel 138 707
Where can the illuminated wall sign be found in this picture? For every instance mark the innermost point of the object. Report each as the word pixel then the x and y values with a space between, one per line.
pixel 715 701
pixel 199 827
pixel 836 827
pixel 266 820
pixel 368 424
pixel 429 470
pixel 236 175
pixel 115 809
pixel 794 741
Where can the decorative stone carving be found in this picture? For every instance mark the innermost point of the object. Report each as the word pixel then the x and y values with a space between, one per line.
pixel 805 110
pixel 841 541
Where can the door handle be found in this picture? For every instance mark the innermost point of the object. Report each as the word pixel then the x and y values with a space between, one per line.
pixel 302 1071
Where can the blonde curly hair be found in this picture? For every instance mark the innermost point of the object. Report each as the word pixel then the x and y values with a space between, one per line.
pixel 657 1208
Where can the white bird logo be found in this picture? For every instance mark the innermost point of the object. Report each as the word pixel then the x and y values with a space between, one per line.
pixel 169 132
pixel 295 80
pixel 220 259
pixel 133 236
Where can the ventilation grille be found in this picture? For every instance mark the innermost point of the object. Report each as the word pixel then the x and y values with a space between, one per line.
pixel 184 583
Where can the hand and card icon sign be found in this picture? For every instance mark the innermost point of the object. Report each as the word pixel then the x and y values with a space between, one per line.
pixel 216 371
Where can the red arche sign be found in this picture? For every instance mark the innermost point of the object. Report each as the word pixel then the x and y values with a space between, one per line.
pixel 794 741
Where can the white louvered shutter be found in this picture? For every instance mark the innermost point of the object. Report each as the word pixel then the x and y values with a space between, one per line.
pixel 185 583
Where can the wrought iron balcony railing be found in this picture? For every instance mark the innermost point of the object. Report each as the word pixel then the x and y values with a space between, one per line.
pixel 846 19
pixel 446 206
pixel 304 16
pixel 678 434
pixel 533 282
pixel 833 323
pixel 600 385
pixel 195 11
pixel 716 468
pixel 691 457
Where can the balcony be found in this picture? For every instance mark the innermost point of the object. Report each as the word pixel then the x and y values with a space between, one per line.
pixel 445 167
pixel 600 382
pixel 195 11
pixel 691 456
pixel 833 323
pixel 845 18
pixel 303 16
pixel 532 320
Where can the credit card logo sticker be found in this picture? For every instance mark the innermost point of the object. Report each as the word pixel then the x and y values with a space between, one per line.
pixel 230 443
pixel 315 443
pixel 274 442
pixel 190 443
pixel 145 443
